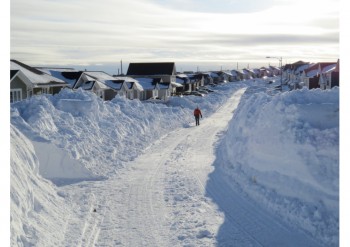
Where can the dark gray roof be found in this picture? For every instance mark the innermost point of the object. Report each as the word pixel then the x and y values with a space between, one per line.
pixel 165 68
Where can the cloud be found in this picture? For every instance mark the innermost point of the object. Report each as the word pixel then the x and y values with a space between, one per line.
pixel 90 32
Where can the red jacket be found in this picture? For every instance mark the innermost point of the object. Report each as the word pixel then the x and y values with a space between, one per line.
pixel 197 112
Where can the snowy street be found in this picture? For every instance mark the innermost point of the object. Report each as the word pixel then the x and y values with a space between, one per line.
pixel 261 169
pixel 172 195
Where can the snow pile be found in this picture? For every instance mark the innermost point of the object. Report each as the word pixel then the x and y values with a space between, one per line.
pixel 283 151
pixel 93 137
pixel 38 214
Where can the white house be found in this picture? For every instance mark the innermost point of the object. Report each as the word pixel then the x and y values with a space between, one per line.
pixel 150 87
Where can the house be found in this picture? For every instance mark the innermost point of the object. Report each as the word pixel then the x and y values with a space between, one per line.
pixel 20 85
pixel 236 75
pixel 164 70
pixel 289 69
pixel 296 76
pixel 275 71
pixel 134 87
pixel 247 74
pixel 26 81
pixel 114 86
pixel 150 87
pixel 329 76
pixel 165 90
pixel 264 72
pixel 225 76
pixel 195 81
pixel 215 76
pixel 184 81
pixel 207 78
pixel 311 76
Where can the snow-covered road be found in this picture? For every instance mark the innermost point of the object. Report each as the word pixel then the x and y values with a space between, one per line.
pixel 174 195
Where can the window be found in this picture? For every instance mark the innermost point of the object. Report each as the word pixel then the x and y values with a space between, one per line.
pixel 45 90
pixel 15 95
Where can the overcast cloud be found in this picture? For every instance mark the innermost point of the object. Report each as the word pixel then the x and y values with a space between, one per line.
pixel 76 32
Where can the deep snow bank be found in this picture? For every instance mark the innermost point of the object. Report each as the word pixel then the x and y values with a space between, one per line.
pixel 283 151
pixel 101 135
pixel 37 213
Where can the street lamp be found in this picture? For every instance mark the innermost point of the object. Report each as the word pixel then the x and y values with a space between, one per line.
pixel 280 64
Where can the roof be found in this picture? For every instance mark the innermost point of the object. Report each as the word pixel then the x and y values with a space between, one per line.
pixel 36 76
pixel 176 84
pixel 329 68
pixel 165 68
pixel 182 80
pixel 147 83
pixel 314 69
pixel 301 68
pixel 99 75
pixel 13 72
pixel 71 77
pixel 17 73
pixel 115 84
pixel 311 71
pixel 130 82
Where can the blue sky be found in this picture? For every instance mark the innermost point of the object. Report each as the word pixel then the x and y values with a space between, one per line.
pixel 207 34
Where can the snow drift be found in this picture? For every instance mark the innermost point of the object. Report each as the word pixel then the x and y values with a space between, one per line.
pixel 37 212
pixel 283 151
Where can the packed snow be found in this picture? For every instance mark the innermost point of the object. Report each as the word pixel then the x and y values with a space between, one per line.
pixel 262 169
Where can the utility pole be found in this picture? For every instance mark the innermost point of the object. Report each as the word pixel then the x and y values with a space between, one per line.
pixel 121 66
pixel 280 60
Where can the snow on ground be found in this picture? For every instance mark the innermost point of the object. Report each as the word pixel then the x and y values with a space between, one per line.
pixel 283 151
pixel 38 214
pixel 280 151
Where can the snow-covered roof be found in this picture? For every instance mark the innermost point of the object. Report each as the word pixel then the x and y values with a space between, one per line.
pixel 181 75
pixel 99 75
pixel 214 74
pixel 329 68
pixel 176 84
pixel 36 76
pixel 69 76
pixel 301 68
pixel 130 82
pixel 181 80
pixel 245 72
pixel 146 83
pixel 312 73
pixel 21 75
pixel 114 84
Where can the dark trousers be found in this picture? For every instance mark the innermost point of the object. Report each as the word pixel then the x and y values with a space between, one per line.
pixel 197 120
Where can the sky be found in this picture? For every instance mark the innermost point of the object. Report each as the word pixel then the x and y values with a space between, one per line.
pixel 279 154
pixel 194 34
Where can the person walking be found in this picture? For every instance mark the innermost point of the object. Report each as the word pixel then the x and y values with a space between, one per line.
pixel 197 113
